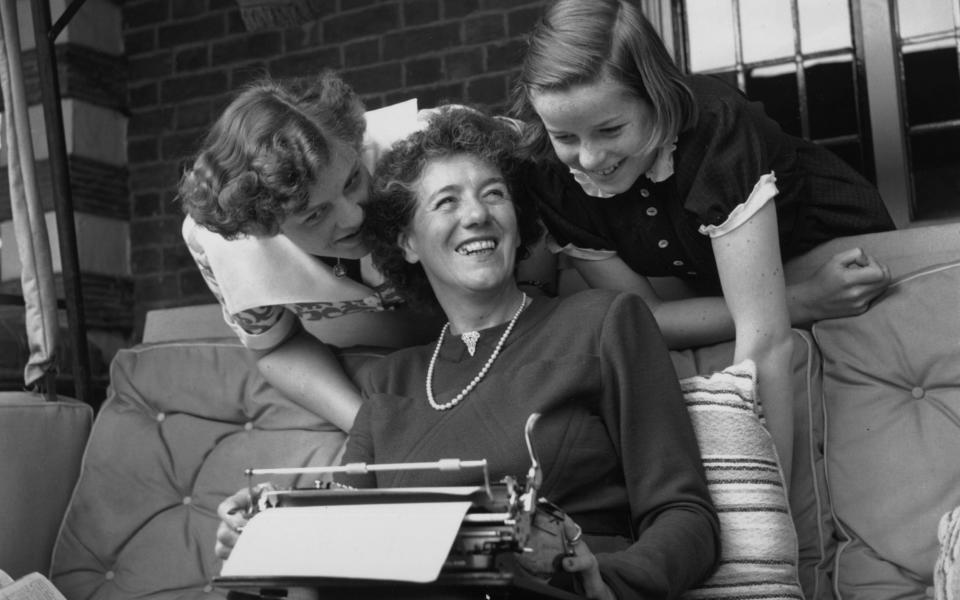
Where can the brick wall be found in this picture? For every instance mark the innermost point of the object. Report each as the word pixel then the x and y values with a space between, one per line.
pixel 185 56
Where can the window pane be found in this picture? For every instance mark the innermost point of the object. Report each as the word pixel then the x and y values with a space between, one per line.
pixel 766 28
pixel 710 26
pixel 932 81
pixel 830 97
pixel 776 87
pixel 824 25
pixel 917 17
pixel 936 173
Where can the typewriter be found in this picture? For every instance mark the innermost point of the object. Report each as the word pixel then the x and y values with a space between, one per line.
pixel 431 542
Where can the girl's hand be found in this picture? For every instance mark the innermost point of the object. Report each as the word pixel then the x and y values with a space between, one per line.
pixel 845 285
pixel 581 561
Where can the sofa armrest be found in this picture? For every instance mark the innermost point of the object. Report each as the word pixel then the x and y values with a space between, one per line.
pixel 41 444
pixel 903 250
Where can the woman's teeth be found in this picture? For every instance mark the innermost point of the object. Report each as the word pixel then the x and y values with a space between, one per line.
pixel 475 247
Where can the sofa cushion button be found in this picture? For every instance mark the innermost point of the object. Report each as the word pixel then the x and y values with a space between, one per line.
pixel 108 575
pixel 161 417
pixel 207 588
pixel 917 392
pixel 248 425
pixel 187 500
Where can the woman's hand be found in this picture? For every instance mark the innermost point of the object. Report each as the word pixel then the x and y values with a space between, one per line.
pixel 845 285
pixel 581 561
pixel 234 512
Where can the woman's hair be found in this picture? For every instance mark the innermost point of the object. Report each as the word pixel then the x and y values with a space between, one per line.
pixel 270 145
pixel 580 42
pixel 452 130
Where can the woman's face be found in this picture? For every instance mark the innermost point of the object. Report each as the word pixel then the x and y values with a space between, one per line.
pixel 330 223
pixel 601 129
pixel 464 229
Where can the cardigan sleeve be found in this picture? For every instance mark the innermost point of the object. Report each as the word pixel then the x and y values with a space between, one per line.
pixel 676 529
pixel 359 445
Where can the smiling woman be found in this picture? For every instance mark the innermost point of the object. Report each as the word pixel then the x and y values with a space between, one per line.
pixel 447 222
pixel 275 192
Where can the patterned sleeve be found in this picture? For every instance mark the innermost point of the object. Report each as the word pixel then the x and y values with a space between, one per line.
pixel 258 328
pixel 726 157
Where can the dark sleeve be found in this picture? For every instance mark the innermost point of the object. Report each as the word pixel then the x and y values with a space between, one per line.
pixel 561 208
pixel 721 159
pixel 676 529
pixel 360 440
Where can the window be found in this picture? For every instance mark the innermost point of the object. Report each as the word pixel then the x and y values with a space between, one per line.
pixel 927 47
pixel 876 81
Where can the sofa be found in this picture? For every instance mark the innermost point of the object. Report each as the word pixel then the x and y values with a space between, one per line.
pixel 875 468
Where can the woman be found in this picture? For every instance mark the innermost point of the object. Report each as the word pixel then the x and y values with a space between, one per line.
pixel 618 450
pixel 646 172
pixel 276 188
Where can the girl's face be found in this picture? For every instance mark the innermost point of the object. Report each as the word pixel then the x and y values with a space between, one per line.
pixel 464 230
pixel 330 223
pixel 601 129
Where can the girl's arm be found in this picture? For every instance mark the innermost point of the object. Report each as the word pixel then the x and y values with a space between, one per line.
pixel 751 274
pixel 686 323
pixel 844 285
pixel 305 370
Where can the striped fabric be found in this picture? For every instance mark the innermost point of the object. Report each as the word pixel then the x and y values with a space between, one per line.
pixel 758 559
pixel 946 575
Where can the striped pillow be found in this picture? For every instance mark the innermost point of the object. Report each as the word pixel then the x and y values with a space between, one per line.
pixel 946 574
pixel 758 557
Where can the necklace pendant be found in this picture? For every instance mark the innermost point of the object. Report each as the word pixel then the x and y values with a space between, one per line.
pixel 470 339
pixel 339 270
pixel 486 367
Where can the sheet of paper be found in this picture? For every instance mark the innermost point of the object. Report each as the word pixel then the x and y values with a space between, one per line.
pixel 403 542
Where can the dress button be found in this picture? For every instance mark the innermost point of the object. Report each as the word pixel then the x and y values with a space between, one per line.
pixel 644 193
pixel 678 263
pixel 917 392
pixel 663 243
pixel 652 211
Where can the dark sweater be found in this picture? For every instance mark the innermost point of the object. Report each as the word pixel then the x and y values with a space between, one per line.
pixel 618 450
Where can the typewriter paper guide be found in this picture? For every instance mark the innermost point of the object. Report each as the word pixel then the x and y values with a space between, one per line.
pixel 402 542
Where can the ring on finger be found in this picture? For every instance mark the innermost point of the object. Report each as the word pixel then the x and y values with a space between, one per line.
pixel 573 541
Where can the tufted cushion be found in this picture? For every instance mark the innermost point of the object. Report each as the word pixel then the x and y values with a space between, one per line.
pixel 181 423
pixel 809 502
pixel 891 382
pixel 758 557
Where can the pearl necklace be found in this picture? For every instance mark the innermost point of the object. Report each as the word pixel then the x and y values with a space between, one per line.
pixel 486 367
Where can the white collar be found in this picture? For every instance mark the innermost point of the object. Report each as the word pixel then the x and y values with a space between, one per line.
pixel 661 170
